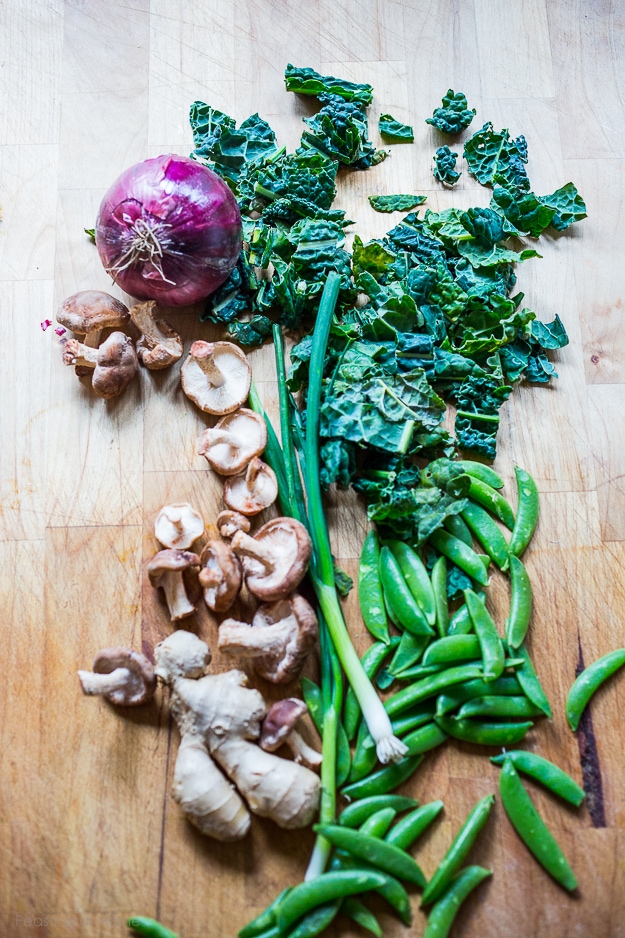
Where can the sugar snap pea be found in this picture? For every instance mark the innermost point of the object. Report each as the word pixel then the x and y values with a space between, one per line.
pixel 265 920
pixel 391 890
pixel 430 687
pixel 489 498
pixel 416 576
pixel 324 888
pixel 384 856
pixel 531 828
pixel 491 645
pixel 460 622
pixel 149 927
pixel 413 719
pixel 588 682
pixel 370 589
pixel 409 651
pixel 357 812
pixel 520 603
pixel 507 685
pixel 443 913
pixel 545 772
pixel 378 824
pixel 425 738
pixel 484 734
pixel 384 779
pixel 452 648
pixel 359 913
pixel 528 679
pixel 316 921
pixel 460 554
pixel 487 534
pixel 526 512
pixel 439 590
pixel 405 831
pixel 456 526
pixel 460 847
pixel 499 708
pixel 419 671
pixel 482 472
pixel 403 606
pixel 365 757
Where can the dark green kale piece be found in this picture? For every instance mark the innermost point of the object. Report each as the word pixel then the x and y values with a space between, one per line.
pixel 225 148
pixel 569 206
pixel 445 166
pixel 340 131
pixel 91 233
pixel 308 81
pixel 396 203
pixel 207 125
pixel 454 116
pixel 494 157
pixel 395 130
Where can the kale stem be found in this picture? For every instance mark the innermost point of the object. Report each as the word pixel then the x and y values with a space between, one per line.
pixel 406 437
pixel 486 418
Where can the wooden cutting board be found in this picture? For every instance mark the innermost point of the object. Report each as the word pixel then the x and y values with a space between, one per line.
pixel 88 832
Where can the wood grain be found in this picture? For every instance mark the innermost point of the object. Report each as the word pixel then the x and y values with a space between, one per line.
pixel 88 832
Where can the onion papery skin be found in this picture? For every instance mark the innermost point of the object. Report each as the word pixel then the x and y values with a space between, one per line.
pixel 191 219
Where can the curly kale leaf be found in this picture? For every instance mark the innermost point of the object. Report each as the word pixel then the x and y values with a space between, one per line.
pixel 308 176
pixel 375 257
pixel 396 203
pixel 207 126
pixel 445 166
pixel 454 116
pixel 308 81
pixel 340 131
pixel 549 335
pixel 529 215
pixel 338 463
pixel 394 130
pixel 253 332
pixel 569 206
pixel 228 149
pixel 494 157
pixel 234 297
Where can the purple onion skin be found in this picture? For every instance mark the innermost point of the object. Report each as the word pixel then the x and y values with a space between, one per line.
pixel 201 245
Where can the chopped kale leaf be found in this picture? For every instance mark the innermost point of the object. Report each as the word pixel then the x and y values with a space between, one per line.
pixel 454 116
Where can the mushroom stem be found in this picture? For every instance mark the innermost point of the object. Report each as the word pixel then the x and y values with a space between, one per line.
pixel 83 356
pixel 246 546
pixel 247 641
pixel 141 315
pixel 176 595
pixel 203 353
pixel 216 436
pixel 254 467
pixel 93 684
pixel 302 752
pixel 174 517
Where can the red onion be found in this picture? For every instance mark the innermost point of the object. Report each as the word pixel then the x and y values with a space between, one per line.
pixel 169 230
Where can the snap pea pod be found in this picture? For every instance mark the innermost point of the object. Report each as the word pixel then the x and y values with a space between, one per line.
pixel 460 846
pixel 416 576
pixel 460 622
pixel 506 685
pixel 359 913
pixel 384 856
pixel 391 890
pixel 416 718
pixel 489 498
pixel 265 920
pixel 370 595
pixel 357 813
pixel 430 687
pixel 588 682
pixel 419 671
pixel 452 648
pixel 484 734
pixel 343 755
pixel 518 620
pixel 365 757
pixel 484 473
pixel 499 708
pixel 526 512
pixel 493 654
pixel 425 738
pixel 404 833
pixel 528 679
pixel 456 526
pixel 409 651
pixel 439 590
pixel 404 608
pixel 378 824
pixel 316 921
pixel 531 828
pixel 443 913
pixel 324 888
pixel 460 554
pixel 149 927
pixel 384 780
pixel 487 534
pixel 371 661
pixel 545 772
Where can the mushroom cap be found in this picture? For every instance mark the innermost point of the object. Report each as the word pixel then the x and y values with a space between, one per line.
pixel 280 720
pixel 181 654
pixel 249 438
pixel 287 542
pixel 236 374
pixel 220 576
pixel 170 561
pixel 253 490
pixel 117 365
pixel 142 683
pixel 158 352
pixel 178 525
pixel 91 310
pixel 229 522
